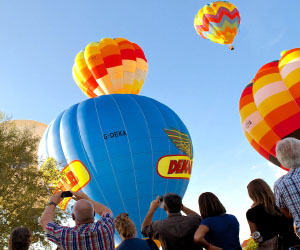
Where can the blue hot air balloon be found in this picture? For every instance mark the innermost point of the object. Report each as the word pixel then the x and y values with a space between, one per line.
pixel 122 150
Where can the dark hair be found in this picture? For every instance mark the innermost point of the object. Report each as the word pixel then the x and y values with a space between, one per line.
pixel 125 226
pixel 172 202
pixel 20 239
pixel 210 205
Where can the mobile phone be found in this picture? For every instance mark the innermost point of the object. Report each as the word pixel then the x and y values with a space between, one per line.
pixel 65 194
pixel 161 201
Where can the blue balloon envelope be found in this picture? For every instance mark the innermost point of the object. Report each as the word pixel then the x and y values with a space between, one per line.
pixel 122 150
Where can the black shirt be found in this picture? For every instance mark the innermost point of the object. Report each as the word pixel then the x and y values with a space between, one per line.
pixel 271 225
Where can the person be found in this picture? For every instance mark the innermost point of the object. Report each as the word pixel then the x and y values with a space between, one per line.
pixel 127 231
pixel 287 187
pixel 217 229
pixel 176 232
pixel 87 234
pixel 266 221
pixel 20 239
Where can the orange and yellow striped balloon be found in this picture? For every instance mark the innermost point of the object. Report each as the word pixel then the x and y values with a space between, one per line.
pixel 270 106
pixel 112 66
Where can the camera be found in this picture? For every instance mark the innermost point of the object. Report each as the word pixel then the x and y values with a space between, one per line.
pixel 161 199
pixel 66 194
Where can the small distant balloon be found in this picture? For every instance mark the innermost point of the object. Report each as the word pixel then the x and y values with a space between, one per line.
pixel 112 66
pixel 37 128
pixel 218 22
pixel 270 105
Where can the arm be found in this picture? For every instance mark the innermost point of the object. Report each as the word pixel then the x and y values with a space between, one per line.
pixel 49 211
pixel 188 211
pixel 252 226
pixel 200 240
pixel 280 201
pixel 98 207
pixel 251 216
pixel 148 218
pixel 286 212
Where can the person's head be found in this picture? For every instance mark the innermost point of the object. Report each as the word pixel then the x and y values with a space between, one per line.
pixel 125 226
pixel 210 205
pixel 20 239
pixel 288 152
pixel 172 203
pixel 83 212
pixel 260 192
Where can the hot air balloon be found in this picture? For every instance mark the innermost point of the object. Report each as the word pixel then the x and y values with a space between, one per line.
pixel 112 66
pixel 270 106
pixel 218 21
pixel 122 150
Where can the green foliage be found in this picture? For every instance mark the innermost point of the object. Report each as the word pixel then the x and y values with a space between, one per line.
pixel 23 188
pixel 252 245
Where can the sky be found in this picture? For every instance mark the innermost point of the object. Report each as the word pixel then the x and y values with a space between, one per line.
pixel 200 80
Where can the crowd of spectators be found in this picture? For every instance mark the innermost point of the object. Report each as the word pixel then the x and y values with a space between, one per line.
pixel 274 219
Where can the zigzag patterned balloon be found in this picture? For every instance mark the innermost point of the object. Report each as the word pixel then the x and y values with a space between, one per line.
pixel 218 21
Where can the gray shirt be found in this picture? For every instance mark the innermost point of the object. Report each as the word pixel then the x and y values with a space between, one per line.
pixel 176 232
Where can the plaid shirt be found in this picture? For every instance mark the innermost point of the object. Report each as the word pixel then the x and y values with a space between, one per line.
pixel 287 194
pixel 91 236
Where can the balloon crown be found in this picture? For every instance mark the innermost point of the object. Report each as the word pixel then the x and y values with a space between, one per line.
pixel 111 66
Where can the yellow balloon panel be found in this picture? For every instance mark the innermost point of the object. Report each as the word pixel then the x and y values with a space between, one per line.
pixel 289 67
pixel 253 122
pixel 258 133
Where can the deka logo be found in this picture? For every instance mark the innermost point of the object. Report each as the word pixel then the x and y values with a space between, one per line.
pixel 177 166
pixel 75 177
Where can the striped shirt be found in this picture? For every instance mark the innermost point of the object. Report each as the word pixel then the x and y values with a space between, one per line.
pixel 91 236
pixel 287 194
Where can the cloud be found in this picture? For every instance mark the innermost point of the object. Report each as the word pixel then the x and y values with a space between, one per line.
pixel 269 39
pixel 278 172
pixel 276 39
pixel 254 167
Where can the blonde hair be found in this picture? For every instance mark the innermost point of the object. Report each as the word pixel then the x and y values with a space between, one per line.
pixel 288 152
pixel 260 192
pixel 125 226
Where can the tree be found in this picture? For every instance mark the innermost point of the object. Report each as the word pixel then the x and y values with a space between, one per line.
pixel 24 190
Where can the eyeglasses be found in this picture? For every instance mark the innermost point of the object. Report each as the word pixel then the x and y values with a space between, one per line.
pixel 124 215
